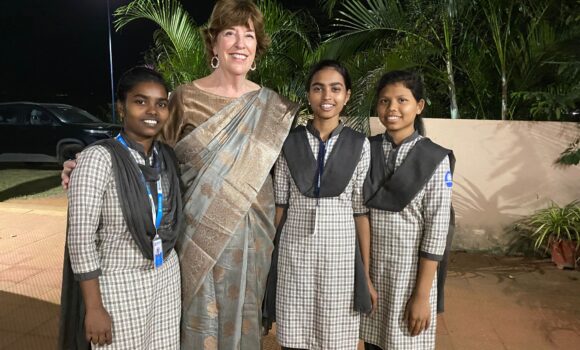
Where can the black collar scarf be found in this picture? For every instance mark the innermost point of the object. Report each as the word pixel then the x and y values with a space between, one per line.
pixel 393 190
pixel 338 169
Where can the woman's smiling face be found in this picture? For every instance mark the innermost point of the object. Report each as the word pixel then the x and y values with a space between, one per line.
pixel 236 48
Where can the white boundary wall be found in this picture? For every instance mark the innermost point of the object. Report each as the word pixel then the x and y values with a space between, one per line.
pixel 504 170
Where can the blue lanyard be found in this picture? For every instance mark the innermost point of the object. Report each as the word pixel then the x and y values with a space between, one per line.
pixel 156 216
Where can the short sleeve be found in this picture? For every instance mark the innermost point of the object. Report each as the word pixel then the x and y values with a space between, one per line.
pixel 281 182
pixel 436 212
pixel 360 174
pixel 88 183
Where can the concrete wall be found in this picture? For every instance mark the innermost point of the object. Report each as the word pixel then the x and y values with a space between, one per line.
pixel 505 169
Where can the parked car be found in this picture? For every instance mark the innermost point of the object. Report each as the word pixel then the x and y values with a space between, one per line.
pixel 47 132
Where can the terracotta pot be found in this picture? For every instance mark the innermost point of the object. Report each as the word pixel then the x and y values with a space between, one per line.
pixel 564 253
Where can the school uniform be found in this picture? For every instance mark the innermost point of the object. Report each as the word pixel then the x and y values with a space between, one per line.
pixel 408 192
pixel 320 183
pixel 109 237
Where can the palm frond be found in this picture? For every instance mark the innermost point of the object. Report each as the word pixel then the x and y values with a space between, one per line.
pixel 426 29
pixel 375 18
pixel 295 39
pixel 329 5
pixel 178 50
pixel 176 23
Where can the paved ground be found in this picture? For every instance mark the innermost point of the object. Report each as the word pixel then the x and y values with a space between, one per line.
pixel 492 303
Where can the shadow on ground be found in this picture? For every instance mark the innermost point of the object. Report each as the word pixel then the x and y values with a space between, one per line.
pixel 32 324
pixel 27 323
pixel 30 187
pixel 26 179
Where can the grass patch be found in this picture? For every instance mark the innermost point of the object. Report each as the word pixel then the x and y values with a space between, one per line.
pixel 24 180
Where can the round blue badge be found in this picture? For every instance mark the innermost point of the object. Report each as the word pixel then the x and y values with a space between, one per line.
pixel 448 179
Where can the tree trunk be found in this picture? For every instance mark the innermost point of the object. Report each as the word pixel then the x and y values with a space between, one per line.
pixel 452 95
pixel 504 96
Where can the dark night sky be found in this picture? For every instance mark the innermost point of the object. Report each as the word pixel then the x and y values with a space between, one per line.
pixel 57 50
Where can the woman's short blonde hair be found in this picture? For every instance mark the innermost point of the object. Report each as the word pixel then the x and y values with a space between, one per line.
pixel 229 13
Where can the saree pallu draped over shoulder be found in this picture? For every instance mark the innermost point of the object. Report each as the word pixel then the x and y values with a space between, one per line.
pixel 225 163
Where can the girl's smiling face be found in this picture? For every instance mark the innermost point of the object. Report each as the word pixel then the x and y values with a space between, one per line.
pixel 327 93
pixel 397 109
pixel 145 110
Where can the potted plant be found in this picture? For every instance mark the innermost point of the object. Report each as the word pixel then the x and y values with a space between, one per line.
pixel 557 229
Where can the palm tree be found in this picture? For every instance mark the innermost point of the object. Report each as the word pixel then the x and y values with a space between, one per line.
pixel 530 52
pixel 498 15
pixel 178 51
pixel 526 50
pixel 426 31
pixel 546 78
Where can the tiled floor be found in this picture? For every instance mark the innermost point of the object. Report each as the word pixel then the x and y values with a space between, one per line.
pixel 492 303
pixel 31 244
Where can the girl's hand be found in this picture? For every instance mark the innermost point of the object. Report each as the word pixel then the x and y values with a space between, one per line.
pixel 98 326
pixel 374 295
pixel 418 314
pixel 67 168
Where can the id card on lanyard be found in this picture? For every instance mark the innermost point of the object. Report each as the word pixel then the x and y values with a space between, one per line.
pixel 156 215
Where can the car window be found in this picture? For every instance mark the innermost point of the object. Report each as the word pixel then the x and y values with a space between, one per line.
pixel 73 115
pixel 11 115
pixel 38 116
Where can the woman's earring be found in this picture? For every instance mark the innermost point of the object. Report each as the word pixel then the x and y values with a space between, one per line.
pixel 253 66
pixel 215 62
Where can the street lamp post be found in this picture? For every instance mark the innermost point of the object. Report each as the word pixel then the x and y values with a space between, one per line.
pixel 114 119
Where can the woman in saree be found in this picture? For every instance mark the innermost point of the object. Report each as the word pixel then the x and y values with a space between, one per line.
pixel 227 133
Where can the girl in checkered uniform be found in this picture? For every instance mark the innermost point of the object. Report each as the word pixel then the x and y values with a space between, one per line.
pixel 124 218
pixel 408 192
pixel 318 188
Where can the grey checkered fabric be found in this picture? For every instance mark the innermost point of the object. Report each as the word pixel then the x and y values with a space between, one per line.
pixel 397 240
pixel 315 291
pixel 144 303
